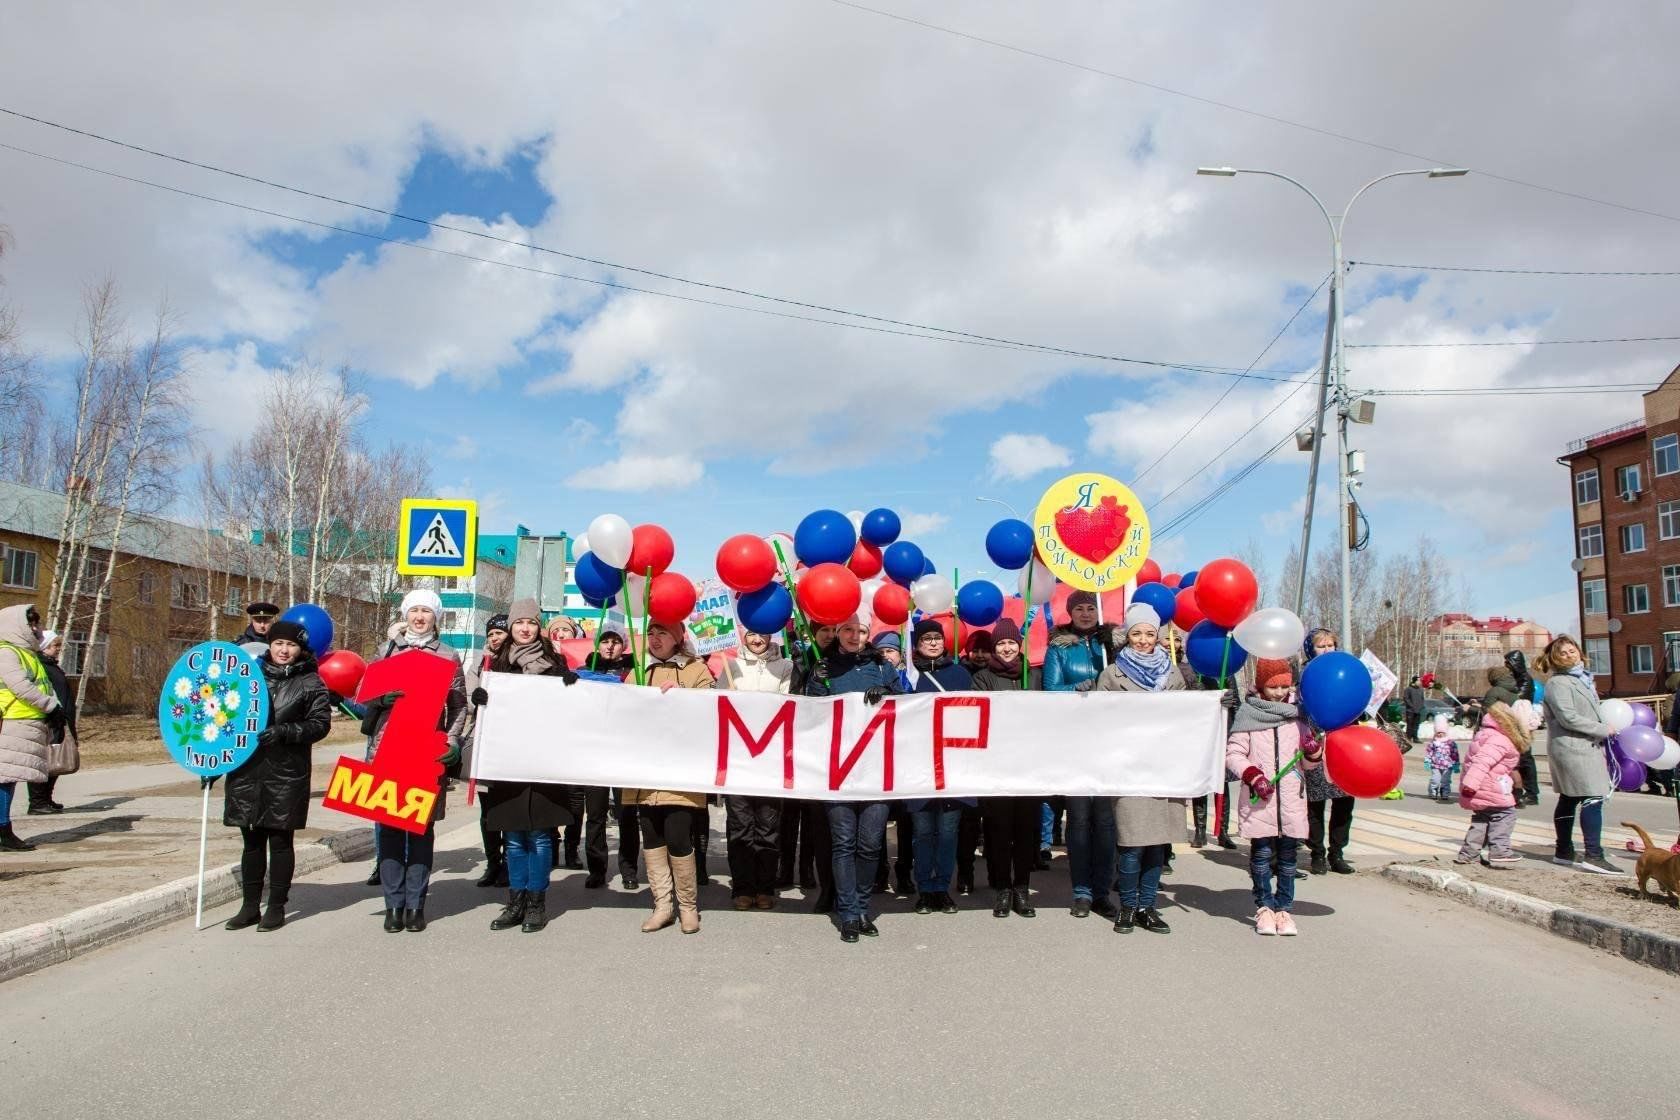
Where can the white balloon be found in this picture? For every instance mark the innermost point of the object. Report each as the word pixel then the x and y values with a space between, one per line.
pixel 1043 582
pixel 1669 758
pixel 1272 632
pixel 933 594
pixel 610 538
pixel 635 588
pixel 580 544
pixel 856 518
pixel 1618 714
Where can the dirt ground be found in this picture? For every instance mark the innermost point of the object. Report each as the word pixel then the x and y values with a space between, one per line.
pixel 1606 896
pixel 123 740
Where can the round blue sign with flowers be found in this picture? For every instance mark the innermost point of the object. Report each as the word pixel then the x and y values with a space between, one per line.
pixel 213 705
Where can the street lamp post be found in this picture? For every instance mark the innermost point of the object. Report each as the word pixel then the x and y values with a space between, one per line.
pixel 1333 371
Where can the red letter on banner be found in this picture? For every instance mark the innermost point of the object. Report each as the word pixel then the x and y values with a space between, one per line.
pixel 729 718
pixel 942 742
pixel 399 788
pixel 883 718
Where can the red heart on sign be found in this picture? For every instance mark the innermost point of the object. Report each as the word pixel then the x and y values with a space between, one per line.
pixel 1094 534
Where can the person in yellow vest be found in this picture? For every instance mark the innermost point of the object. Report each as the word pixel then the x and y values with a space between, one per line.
pixel 29 713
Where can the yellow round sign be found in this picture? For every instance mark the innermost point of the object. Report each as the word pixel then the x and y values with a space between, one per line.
pixel 1092 532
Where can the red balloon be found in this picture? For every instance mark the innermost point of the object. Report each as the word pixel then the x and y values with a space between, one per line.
pixel 671 598
pixel 1149 573
pixel 745 563
pixel 341 671
pixel 866 561
pixel 829 594
pixel 1363 761
pixel 650 548
pixel 1187 611
pixel 1227 592
pixel 892 604
pixel 1172 580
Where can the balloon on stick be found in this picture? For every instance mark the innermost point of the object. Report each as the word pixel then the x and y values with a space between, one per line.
pixel 317 625
pixel 1618 714
pixel 1043 582
pixel 1226 590
pixel 1643 715
pixel 1149 573
pixel 671 598
pixel 880 527
pixel 1642 744
pixel 866 561
pixel 1172 580
pixel 933 594
pixel 1187 612
pixel 651 550
pixel 595 578
pixel 341 671
pixel 1159 597
pixel 1670 757
pixel 1188 579
pixel 1630 777
pixel 1335 688
pixel 892 604
pixel 745 563
pixel 765 611
pixel 903 562
pixel 829 594
pixel 825 536
pixel 979 603
pixel 1270 632
pixel 1208 653
pixel 1009 543
pixel 611 539
pixel 1363 761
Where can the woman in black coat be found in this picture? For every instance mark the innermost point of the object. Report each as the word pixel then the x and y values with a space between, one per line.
pixel 527 814
pixel 41 793
pixel 267 799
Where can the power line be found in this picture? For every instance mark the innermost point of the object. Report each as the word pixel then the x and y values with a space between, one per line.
pixel 1189 515
pixel 1508 342
pixel 1515 391
pixel 1232 446
pixel 1247 112
pixel 917 331
pixel 1233 386
pixel 1510 271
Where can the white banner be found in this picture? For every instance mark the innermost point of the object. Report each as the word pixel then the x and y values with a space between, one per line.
pixel 967 744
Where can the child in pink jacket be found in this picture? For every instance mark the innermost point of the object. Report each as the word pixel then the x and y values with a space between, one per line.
pixel 1486 789
pixel 1266 732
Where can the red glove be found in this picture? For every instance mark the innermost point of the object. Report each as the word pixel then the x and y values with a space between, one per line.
pixel 1255 779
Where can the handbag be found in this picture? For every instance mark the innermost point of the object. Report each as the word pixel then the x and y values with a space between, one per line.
pixel 64 756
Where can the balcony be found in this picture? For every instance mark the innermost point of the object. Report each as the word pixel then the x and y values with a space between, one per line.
pixel 1608 435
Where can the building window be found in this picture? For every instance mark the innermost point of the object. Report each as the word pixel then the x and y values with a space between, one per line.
pixel 1628 480
pixel 1666 452
pixel 235 601
pixel 1639 660
pixel 1633 537
pixel 1671 585
pixel 1671 649
pixel 148 586
pixel 1589 541
pixel 1586 486
pixel 451 622
pixel 1668 520
pixel 18 568
pixel 80 659
pixel 187 592
pixel 1595 601
pixel 1597 654
pixel 1636 599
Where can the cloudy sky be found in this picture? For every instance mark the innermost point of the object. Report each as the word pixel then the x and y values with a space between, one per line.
pixel 828 155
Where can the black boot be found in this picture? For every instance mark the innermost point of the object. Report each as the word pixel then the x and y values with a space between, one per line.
pixel 1002 903
pixel 1199 814
pixel 249 915
pixel 1151 920
pixel 924 903
pixel 274 916
pixel 1023 907
pixel 414 921
pixel 1339 865
pixel 12 842
pixel 491 871
pixel 1227 843
pixel 373 879
pixel 536 911
pixel 393 921
pixel 824 904
pixel 512 914
pixel 1126 920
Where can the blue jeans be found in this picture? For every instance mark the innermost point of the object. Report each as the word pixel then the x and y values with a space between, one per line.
pixel 530 857
pixel 1281 896
pixel 857 833
pixel 935 845
pixel 405 866
pixel 1140 875
pixel 1090 837
pixel 7 789
pixel 1440 781
pixel 1046 825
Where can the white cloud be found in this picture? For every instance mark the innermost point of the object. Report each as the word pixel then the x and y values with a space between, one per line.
pixel 640 472
pixel 923 524
pixel 1285 520
pixel 464 447
pixel 1018 456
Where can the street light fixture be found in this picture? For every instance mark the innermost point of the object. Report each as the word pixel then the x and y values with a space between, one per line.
pixel 1333 371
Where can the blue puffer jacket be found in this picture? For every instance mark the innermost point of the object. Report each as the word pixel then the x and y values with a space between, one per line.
pixel 841 672
pixel 1074 658
pixel 951 677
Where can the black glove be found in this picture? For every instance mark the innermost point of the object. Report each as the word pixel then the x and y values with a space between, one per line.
pixel 1230 701
pixel 1084 686
pixel 875 695
pixel 819 671
pixel 265 736
pixel 208 783
pixel 479 697
pixel 569 677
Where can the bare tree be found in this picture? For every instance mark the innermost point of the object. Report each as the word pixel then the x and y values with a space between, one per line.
pixel 22 413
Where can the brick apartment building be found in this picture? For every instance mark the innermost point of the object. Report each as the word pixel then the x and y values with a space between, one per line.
pixel 1470 646
pixel 1625 493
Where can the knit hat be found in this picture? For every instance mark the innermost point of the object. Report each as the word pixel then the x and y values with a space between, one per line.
pixel 1140 614
pixel 48 637
pixel 1081 599
pixel 285 631
pixel 924 627
pixel 422 597
pixel 888 639
pixel 525 608
pixel 1006 631
pixel 979 641
pixel 609 632
pixel 497 622
pixel 1273 672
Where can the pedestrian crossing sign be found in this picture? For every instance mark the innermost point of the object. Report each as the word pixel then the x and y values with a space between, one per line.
pixel 437 537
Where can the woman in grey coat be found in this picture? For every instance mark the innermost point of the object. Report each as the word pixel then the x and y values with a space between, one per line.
pixel 29 713
pixel 1575 750
pixel 1145 827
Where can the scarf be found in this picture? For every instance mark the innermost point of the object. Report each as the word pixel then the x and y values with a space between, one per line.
pixel 1148 669
pixel 1010 668
pixel 418 641
pixel 923 665
pixel 530 659
pixel 1259 714
pixel 1581 671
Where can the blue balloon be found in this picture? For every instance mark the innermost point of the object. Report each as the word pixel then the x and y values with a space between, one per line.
pixel 881 527
pixel 1159 596
pixel 599 603
pixel 597 579
pixel 824 537
pixel 766 610
pixel 1010 544
pixel 1188 579
pixel 317 626
pixel 1204 647
pixel 927 568
pixel 1335 687
pixel 979 603
pixel 903 562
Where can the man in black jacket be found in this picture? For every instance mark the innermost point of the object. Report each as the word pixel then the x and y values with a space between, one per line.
pixel 1414 700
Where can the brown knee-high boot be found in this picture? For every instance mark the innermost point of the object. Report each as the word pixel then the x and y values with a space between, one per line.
pixel 687 877
pixel 664 894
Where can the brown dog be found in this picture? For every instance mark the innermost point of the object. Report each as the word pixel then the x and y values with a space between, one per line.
pixel 1659 864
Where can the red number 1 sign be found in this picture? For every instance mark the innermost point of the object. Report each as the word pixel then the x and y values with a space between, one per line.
pixel 399 788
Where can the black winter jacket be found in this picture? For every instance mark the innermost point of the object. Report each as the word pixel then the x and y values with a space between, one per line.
pixel 527 806
pixel 66 696
pixel 272 789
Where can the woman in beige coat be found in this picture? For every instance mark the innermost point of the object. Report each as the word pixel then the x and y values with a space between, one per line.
pixel 671 819
pixel 29 712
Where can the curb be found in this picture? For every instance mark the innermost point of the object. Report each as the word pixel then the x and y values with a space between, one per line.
pixel 28 948
pixel 1629 942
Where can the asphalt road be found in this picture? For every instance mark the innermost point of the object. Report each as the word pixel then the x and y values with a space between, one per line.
pixel 1390 1003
